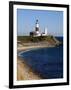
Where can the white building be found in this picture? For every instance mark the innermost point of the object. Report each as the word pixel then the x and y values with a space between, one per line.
pixel 37 33
pixel 45 32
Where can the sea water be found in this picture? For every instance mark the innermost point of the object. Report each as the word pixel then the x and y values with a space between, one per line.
pixel 47 62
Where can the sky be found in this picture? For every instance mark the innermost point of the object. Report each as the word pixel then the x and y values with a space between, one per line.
pixel 26 19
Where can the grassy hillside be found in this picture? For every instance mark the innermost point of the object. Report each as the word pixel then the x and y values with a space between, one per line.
pixel 26 39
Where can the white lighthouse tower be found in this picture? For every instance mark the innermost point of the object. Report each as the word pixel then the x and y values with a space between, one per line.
pixel 37 24
pixel 37 31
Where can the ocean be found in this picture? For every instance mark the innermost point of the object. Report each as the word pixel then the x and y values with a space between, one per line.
pixel 47 62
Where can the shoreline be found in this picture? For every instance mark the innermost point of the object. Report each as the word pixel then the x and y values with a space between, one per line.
pixel 24 72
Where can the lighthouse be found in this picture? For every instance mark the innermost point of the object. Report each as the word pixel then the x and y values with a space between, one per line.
pixel 37 31
pixel 37 25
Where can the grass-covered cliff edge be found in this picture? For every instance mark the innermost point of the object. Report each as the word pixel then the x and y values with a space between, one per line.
pixel 44 39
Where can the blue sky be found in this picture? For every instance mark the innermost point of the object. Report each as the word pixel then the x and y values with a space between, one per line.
pixel 26 19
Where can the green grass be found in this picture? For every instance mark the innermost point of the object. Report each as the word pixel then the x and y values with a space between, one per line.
pixel 24 38
pixel 34 39
pixel 29 39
